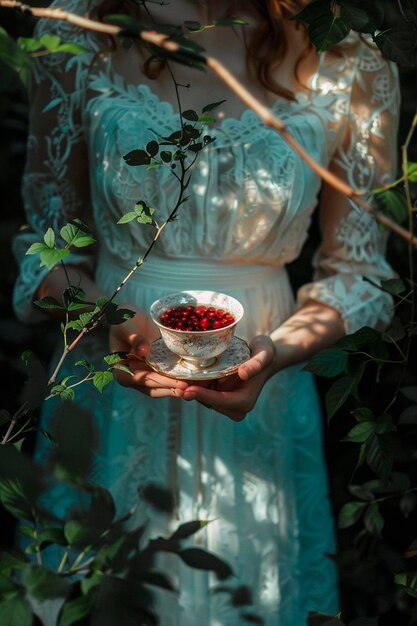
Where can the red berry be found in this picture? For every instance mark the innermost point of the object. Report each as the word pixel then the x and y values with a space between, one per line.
pixel 196 318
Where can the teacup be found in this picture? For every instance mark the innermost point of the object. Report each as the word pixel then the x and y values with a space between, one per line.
pixel 198 349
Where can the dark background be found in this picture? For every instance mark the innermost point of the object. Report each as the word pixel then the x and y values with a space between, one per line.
pixel 367 590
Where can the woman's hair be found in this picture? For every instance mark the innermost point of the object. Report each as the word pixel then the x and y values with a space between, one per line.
pixel 266 47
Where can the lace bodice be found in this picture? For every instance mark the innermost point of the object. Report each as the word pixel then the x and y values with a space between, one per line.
pixel 250 198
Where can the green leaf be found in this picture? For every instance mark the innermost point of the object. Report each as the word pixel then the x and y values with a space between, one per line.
pixel 189 528
pixel 328 363
pixel 359 339
pixel 27 531
pixel 75 236
pixel 86 364
pixel 356 18
pixel 50 42
pixel 115 357
pixel 49 303
pixel 398 44
pixel 326 31
pixel 195 147
pixel 51 536
pixel 52 257
pixel 363 414
pixel 412 172
pixel 74 299
pixel 350 513
pixel 212 106
pixel 166 156
pixel 323 619
pixel 14 58
pixel 380 455
pixel 74 325
pixel 207 119
pixel 67 394
pixel 127 217
pixel 115 316
pixel 43 584
pixel 75 532
pixel 12 561
pixel 384 424
pixel 84 319
pixel 29 44
pixel 7 585
pixel 361 432
pixel 71 48
pixel 312 11
pixel 251 618
pixel 137 157
pixel 393 203
pixel 15 611
pixel 14 500
pixel 338 394
pixel 157 579
pixel 407 504
pixel 372 519
pixel 200 559
pixel 232 21
pixel 152 148
pixel 190 115
pixel 393 285
pixel 73 611
pixel 49 238
pixel 194 26
pixel 101 379
pixel 409 581
pixel 131 27
pixel 361 491
pixel 160 498
pixel 36 248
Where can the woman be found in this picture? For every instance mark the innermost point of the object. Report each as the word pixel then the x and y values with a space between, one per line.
pixel 261 478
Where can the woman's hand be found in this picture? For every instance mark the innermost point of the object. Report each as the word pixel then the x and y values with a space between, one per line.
pixel 236 395
pixel 135 337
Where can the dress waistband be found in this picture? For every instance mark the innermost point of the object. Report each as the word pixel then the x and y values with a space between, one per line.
pixel 189 273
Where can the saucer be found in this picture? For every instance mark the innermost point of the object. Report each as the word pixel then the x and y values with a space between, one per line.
pixel 165 362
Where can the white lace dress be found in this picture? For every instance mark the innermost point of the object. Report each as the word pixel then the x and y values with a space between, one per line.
pixel 263 480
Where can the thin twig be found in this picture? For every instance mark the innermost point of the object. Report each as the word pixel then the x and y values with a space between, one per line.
pixel 19 413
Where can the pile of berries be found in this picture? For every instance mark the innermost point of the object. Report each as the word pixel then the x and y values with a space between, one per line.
pixel 196 318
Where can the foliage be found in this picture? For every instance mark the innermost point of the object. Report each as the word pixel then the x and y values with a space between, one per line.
pixel 100 567
pixel 393 31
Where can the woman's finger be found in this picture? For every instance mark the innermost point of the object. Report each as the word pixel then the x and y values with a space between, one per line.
pixel 225 399
pixel 263 352
pixel 149 378
pixel 145 378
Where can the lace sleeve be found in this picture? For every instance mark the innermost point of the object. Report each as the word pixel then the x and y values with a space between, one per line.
pixel 55 183
pixel 353 246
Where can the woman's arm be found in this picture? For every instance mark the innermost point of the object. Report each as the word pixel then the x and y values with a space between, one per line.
pixel 338 300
